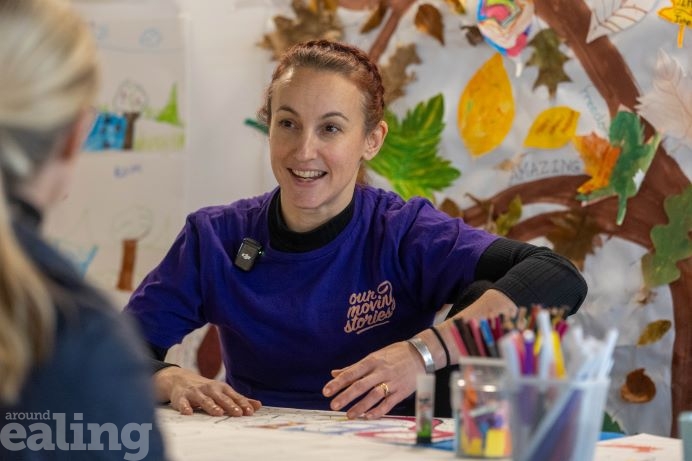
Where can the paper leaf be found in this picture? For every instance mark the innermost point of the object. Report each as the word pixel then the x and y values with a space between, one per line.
pixel 669 105
pixel 408 159
pixel 549 60
pixel 457 6
pixel 375 18
pixel 681 14
pixel 394 75
pixel 486 108
pixel 638 387
pixel 575 236
pixel 256 124
pixel 473 35
pixel 429 21
pixel 653 332
pixel 627 133
pixel 505 222
pixel 316 21
pixel 553 128
pixel 451 208
pixel 358 5
pixel 611 16
pixel 599 159
pixel 610 424
pixel 672 242
pixel 329 5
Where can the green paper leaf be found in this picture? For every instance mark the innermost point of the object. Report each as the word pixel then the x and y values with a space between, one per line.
pixel 672 242
pixel 408 159
pixel 610 425
pixel 627 133
pixel 256 124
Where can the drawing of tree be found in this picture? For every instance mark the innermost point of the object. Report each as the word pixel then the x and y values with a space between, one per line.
pixel 131 100
pixel 662 197
pixel 129 227
pixel 614 81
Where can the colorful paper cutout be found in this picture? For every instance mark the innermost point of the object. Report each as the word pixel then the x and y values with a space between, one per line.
pixel 505 24
pixel 626 133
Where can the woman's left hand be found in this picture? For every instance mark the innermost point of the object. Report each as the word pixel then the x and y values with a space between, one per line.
pixel 380 380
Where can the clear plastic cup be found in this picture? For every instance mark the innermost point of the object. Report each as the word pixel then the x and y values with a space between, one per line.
pixel 556 419
pixel 480 406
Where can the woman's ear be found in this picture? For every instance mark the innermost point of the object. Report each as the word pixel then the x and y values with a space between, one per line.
pixel 375 139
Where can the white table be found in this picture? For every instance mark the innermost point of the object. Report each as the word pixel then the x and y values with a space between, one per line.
pixel 290 434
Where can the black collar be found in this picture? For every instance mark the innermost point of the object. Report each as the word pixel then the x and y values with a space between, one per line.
pixel 24 212
pixel 284 239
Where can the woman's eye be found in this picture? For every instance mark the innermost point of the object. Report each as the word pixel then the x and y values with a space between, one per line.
pixel 331 129
pixel 285 123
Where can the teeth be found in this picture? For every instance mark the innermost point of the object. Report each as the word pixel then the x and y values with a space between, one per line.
pixel 308 174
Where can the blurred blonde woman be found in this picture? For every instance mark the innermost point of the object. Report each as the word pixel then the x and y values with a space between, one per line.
pixel 73 384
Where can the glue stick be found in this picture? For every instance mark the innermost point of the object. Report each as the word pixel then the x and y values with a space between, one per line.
pixel 425 404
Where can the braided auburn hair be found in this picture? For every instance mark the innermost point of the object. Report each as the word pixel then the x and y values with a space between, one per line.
pixel 347 60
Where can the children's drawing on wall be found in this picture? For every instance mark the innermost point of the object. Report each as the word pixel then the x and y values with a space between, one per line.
pixel 138 109
pixel 125 205
pixel 560 122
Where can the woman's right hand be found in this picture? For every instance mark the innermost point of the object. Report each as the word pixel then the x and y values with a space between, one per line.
pixel 187 390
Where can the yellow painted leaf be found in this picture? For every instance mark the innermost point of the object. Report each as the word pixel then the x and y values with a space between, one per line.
pixel 599 158
pixel 429 21
pixel 638 387
pixel 677 15
pixel 553 128
pixel 680 14
pixel 486 108
pixel 654 332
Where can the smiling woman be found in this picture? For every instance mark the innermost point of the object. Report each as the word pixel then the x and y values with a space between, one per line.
pixel 347 273
pixel 317 144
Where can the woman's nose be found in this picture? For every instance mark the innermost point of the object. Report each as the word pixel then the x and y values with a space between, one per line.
pixel 307 147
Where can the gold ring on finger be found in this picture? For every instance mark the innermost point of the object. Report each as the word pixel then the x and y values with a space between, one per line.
pixel 384 388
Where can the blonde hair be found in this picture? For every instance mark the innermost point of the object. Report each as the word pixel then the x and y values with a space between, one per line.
pixel 49 77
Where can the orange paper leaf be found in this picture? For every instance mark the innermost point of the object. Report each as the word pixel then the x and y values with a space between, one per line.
pixel 599 158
